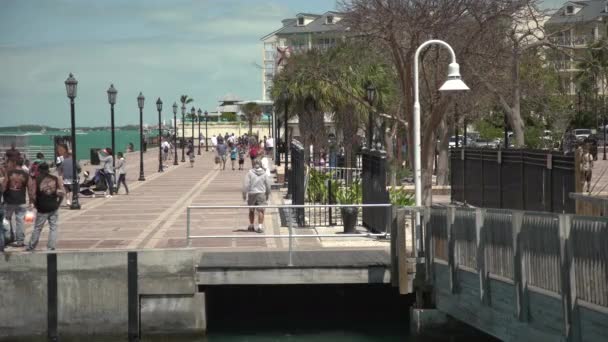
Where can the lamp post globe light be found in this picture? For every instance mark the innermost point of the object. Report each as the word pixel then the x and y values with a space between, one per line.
pixel 198 118
pixel 175 133
pixel 71 86
pixel 183 132
pixel 112 100
pixel 159 107
pixel 453 83
pixel 370 96
pixel 140 104
pixel 206 132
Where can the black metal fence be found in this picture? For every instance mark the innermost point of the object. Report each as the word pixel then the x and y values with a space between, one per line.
pixel 297 179
pixel 373 182
pixel 535 180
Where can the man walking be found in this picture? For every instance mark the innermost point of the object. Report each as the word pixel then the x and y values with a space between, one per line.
pixel 587 167
pixel 256 190
pixel 15 185
pixel 269 146
pixel 47 194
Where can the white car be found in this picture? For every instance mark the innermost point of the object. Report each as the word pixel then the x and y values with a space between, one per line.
pixel 581 133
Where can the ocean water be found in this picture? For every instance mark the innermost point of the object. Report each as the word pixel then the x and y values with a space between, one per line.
pixel 87 140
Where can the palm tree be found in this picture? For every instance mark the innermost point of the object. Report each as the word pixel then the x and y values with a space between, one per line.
pixel 253 113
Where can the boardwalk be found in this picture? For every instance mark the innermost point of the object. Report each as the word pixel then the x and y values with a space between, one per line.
pixel 153 215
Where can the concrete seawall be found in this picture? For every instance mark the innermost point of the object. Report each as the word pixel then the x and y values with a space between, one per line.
pixel 92 294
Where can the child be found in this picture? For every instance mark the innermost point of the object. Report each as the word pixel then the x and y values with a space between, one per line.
pixel 233 154
pixel 121 170
pixel 242 152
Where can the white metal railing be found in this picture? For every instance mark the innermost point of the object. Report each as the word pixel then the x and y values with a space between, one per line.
pixel 289 220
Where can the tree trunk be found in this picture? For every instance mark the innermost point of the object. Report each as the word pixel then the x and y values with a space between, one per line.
pixel 391 159
pixel 514 115
pixel 443 160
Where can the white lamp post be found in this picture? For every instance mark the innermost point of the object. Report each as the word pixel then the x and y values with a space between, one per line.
pixel 453 83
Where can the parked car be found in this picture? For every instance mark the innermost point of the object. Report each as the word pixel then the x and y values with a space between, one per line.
pixel 454 139
pixel 486 143
pixel 581 133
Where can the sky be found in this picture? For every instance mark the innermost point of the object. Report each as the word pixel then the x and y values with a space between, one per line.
pixel 203 48
pixel 163 48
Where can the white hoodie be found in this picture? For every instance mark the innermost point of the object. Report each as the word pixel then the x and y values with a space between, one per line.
pixel 256 182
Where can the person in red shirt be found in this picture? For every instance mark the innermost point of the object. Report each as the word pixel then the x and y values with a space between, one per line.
pixel 15 186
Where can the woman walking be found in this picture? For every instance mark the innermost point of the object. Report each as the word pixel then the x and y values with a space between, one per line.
pixel 190 152
pixel 242 152
pixel 121 169
pixel 222 149
pixel 106 158
pixel 233 154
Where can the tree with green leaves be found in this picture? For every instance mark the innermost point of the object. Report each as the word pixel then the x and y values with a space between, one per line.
pixel 253 113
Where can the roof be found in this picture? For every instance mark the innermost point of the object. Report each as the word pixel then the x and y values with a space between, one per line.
pixel 230 97
pixel 590 10
pixel 318 25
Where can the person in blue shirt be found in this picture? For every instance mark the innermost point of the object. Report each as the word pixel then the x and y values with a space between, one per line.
pixel 233 154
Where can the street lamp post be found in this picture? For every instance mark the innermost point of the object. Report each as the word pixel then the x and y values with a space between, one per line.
pixel 183 132
pixel 140 104
pixel 370 91
pixel 206 132
pixel 453 83
pixel 175 133
pixel 112 100
pixel 159 107
pixel 192 116
pixel 71 87
pixel 286 98
pixel 198 119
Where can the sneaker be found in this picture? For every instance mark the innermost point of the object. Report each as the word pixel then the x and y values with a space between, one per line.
pixel 250 228
pixel 29 249
pixel 260 230
pixel 50 249
pixel 17 244
pixel 108 196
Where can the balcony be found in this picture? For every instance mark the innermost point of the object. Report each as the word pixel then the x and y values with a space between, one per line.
pixel 578 41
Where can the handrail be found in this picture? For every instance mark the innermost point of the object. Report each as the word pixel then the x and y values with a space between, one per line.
pixel 291 235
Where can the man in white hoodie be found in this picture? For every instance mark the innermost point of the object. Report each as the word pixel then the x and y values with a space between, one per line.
pixel 256 190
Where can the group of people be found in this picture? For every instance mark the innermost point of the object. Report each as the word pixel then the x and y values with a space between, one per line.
pixel 239 148
pixel 24 190
pixel 32 189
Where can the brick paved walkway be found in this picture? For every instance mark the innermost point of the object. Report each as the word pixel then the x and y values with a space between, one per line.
pixel 153 215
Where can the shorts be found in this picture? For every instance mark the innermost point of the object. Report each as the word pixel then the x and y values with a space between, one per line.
pixel 587 175
pixel 241 161
pixel 256 199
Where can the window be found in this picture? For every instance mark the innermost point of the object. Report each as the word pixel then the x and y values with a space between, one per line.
pixel 569 10
pixel 329 19
pixel 300 21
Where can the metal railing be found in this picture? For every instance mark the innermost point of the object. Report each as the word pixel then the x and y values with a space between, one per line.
pixel 290 224
pixel 562 254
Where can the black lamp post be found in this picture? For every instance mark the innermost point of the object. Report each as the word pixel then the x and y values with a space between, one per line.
pixel 71 87
pixel 112 100
pixel 183 132
pixel 269 126
pixel 140 104
pixel 286 103
pixel 192 116
pixel 506 124
pixel 370 91
pixel 206 132
pixel 175 133
pixel 159 107
pixel 198 118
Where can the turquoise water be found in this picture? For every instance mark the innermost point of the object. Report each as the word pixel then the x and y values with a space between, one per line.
pixel 92 139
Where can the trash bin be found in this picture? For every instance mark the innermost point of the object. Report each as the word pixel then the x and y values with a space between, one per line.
pixel 95 156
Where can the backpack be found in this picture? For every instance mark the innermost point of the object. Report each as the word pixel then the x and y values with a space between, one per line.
pixel 253 153
pixel 166 149
pixel 34 172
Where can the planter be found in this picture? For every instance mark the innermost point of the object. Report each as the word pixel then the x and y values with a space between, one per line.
pixel 349 219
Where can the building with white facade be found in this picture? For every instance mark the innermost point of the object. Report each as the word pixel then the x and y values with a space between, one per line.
pixel 574 26
pixel 304 32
